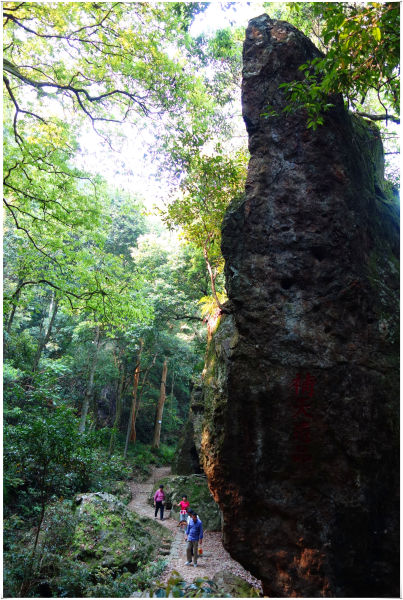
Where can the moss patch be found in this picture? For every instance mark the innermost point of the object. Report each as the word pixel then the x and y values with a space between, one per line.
pixel 234 586
pixel 110 535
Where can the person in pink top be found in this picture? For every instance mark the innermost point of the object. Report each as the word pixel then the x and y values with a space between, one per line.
pixel 159 501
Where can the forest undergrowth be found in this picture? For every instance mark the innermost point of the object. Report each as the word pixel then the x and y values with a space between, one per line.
pixel 47 565
pixel 39 566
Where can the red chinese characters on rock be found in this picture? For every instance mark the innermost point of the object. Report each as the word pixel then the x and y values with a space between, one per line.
pixel 303 388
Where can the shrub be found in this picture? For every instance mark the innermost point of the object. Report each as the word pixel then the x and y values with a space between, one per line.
pixel 110 585
pixel 57 571
pixel 165 454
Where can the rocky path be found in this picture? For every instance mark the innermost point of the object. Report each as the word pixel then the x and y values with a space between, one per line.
pixel 141 491
pixel 215 558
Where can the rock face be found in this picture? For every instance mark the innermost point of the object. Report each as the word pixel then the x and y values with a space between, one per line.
pixel 300 439
pixel 187 459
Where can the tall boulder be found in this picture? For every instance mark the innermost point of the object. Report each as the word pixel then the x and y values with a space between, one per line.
pixel 300 438
pixel 187 457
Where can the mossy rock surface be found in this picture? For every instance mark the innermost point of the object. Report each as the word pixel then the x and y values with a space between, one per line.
pixel 196 488
pixel 110 535
pixel 120 489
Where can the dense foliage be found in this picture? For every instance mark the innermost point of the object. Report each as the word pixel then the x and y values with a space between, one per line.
pixel 89 279
pixel 360 43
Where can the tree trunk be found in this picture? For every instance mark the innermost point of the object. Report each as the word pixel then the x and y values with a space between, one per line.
pixel 136 412
pixel 160 407
pixel 169 402
pixel 15 297
pixel 131 431
pixel 118 410
pixel 172 385
pixel 212 282
pixel 134 402
pixel 90 387
pixel 11 317
pixel 53 308
pixel 25 585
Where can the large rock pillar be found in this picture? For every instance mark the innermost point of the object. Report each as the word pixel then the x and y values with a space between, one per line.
pixel 300 438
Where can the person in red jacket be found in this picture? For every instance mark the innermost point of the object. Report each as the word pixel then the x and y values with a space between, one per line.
pixel 183 506
pixel 159 501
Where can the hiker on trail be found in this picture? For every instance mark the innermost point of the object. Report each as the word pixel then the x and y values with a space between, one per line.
pixel 190 512
pixel 183 505
pixel 193 536
pixel 159 501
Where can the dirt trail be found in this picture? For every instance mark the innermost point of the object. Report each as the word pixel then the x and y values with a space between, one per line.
pixel 141 491
pixel 215 558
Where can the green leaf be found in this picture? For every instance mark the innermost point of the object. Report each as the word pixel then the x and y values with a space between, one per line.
pixel 376 32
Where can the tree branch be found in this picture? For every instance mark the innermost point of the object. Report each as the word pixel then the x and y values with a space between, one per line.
pixel 18 226
pixel 11 8
pixel 42 201
pixel 384 117
pixel 18 110
pixel 83 296
pixel 13 70
pixel 212 282
pixel 67 37
pixel 187 318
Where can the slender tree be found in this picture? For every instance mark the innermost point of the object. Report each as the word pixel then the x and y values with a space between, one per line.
pixel 118 407
pixel 136 412
pixel 54 305
pixel 136 379
pixel 90 386
pixel 131 435
pixel 160 407
pixel 209 186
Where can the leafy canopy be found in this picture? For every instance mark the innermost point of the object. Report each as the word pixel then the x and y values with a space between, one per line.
pixel 361 61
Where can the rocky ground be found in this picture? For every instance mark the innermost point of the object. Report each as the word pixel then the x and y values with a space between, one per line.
pixel 215 558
